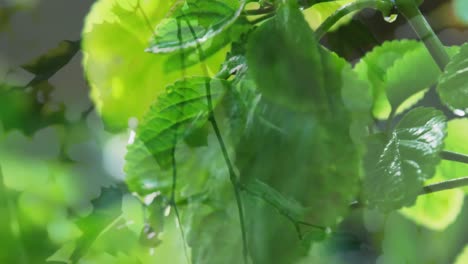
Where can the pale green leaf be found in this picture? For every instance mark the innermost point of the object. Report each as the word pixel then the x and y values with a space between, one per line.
pixel 124 79
pixel 318 13
pixel 436 210
pixel 398 165
pixel 373 67
pixel 403 79
pixel 456 141
pixel 462 258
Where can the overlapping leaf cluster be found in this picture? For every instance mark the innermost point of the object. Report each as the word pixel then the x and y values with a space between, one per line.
pixel 285 122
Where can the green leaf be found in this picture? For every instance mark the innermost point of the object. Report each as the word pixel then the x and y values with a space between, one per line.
pixel 453 84
pixel 373 67
pixel 194 23
pixel 463 256
pixel 318 13
pixel 397 166
pixel 124 79
pixel 170 119
pixel 283 204
pixel 52 61
pixel 290 142
pixel 460 7
pixel 393 71
pixel 436 210
pixel 403 78
pixel 455 141
pixel 214 237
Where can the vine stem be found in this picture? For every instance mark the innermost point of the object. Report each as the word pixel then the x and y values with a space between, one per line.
pixel 174 204
pixel 232 174
pixel 384 6
pixel 428 189
pixel 445 185
pixel 423 30
pixel 453 156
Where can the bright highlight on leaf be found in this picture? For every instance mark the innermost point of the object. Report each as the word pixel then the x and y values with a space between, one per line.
pixel 397 165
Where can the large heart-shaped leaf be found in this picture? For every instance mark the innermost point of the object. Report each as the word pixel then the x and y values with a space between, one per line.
pixel 397 165
pixel 453 84
pixel 297 141
pixel 178 112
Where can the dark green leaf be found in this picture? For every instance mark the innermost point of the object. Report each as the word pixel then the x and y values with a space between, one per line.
pixel 172 118
pixel 297 138
pixel 397 166
pixel 54 59
pixel 196 22
pixel 453 84
pixel 214 237
pixel 28 109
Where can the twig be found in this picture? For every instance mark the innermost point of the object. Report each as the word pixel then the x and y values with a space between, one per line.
pixel 174 204
pixel 445 185
pixel 432 188
pixel 384 6
pixel 453 156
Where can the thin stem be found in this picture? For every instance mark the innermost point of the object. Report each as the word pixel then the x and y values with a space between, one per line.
pixel 262 18
pixel 453 156
pixel 436 187
pixel 418 22
pixel 174 204
pixel 384 6
pixel 297 223
pixel 214 124
pixel 260 11
pixel 445 185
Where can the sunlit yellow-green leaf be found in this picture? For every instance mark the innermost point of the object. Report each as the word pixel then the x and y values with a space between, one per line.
pixel 463 257
pixel 318 13
pixel 436 210
pixel 456 141
pixel 124 78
